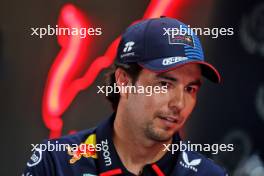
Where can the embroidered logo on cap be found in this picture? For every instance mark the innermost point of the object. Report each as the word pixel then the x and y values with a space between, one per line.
pixel 181 39
pixel 128 46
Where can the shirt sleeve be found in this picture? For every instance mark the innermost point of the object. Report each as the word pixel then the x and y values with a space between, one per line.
pixel 40 164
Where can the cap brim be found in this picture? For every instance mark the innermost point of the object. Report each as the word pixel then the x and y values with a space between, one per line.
pixel 208 71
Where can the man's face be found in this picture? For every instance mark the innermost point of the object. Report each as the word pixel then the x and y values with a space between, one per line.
pixel 161 115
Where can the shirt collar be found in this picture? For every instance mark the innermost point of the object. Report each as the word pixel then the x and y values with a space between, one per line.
pixel 109 162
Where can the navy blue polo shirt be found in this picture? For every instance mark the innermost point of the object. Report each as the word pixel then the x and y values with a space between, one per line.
pixel 103 160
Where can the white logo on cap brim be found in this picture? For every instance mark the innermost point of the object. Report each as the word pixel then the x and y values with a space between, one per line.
pixel 173 60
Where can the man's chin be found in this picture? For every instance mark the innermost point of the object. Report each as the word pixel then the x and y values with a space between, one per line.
pixel 161 135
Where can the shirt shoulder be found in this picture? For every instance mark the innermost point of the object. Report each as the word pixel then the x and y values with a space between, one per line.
pixel 59 156
pixel 199 164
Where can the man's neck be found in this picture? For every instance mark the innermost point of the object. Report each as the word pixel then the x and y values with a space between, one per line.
pixel 133 148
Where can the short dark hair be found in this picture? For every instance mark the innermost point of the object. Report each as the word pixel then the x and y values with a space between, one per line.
pixel 132 69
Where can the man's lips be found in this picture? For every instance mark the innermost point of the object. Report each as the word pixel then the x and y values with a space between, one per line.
pixel 172 119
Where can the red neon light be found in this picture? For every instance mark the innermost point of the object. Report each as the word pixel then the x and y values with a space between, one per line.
pixel 64 83
pixel 66 66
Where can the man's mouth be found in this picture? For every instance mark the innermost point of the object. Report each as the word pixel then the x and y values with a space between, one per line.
pixel 171 119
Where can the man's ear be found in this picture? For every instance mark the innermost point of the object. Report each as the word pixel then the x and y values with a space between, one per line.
pixel 122 79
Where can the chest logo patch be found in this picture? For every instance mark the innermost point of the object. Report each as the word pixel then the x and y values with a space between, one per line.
pixel 86 149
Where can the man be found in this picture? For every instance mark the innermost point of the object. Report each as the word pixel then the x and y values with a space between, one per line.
pixel 132 141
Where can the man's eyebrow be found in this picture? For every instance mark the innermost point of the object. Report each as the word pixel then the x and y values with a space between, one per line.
pixel 197 82
pixel 167 77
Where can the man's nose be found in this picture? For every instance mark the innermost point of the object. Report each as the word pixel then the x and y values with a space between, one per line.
pixel 177 100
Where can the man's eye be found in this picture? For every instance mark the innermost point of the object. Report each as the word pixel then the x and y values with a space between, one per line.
pixel 191 89
pixel 164 84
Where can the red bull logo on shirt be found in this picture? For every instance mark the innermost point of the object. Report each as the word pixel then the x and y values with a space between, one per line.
pixel 87 149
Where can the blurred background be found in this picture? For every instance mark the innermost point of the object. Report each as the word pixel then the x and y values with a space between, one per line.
pixel 232 112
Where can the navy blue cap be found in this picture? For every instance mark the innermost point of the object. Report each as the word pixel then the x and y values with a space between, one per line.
pixel 162 44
